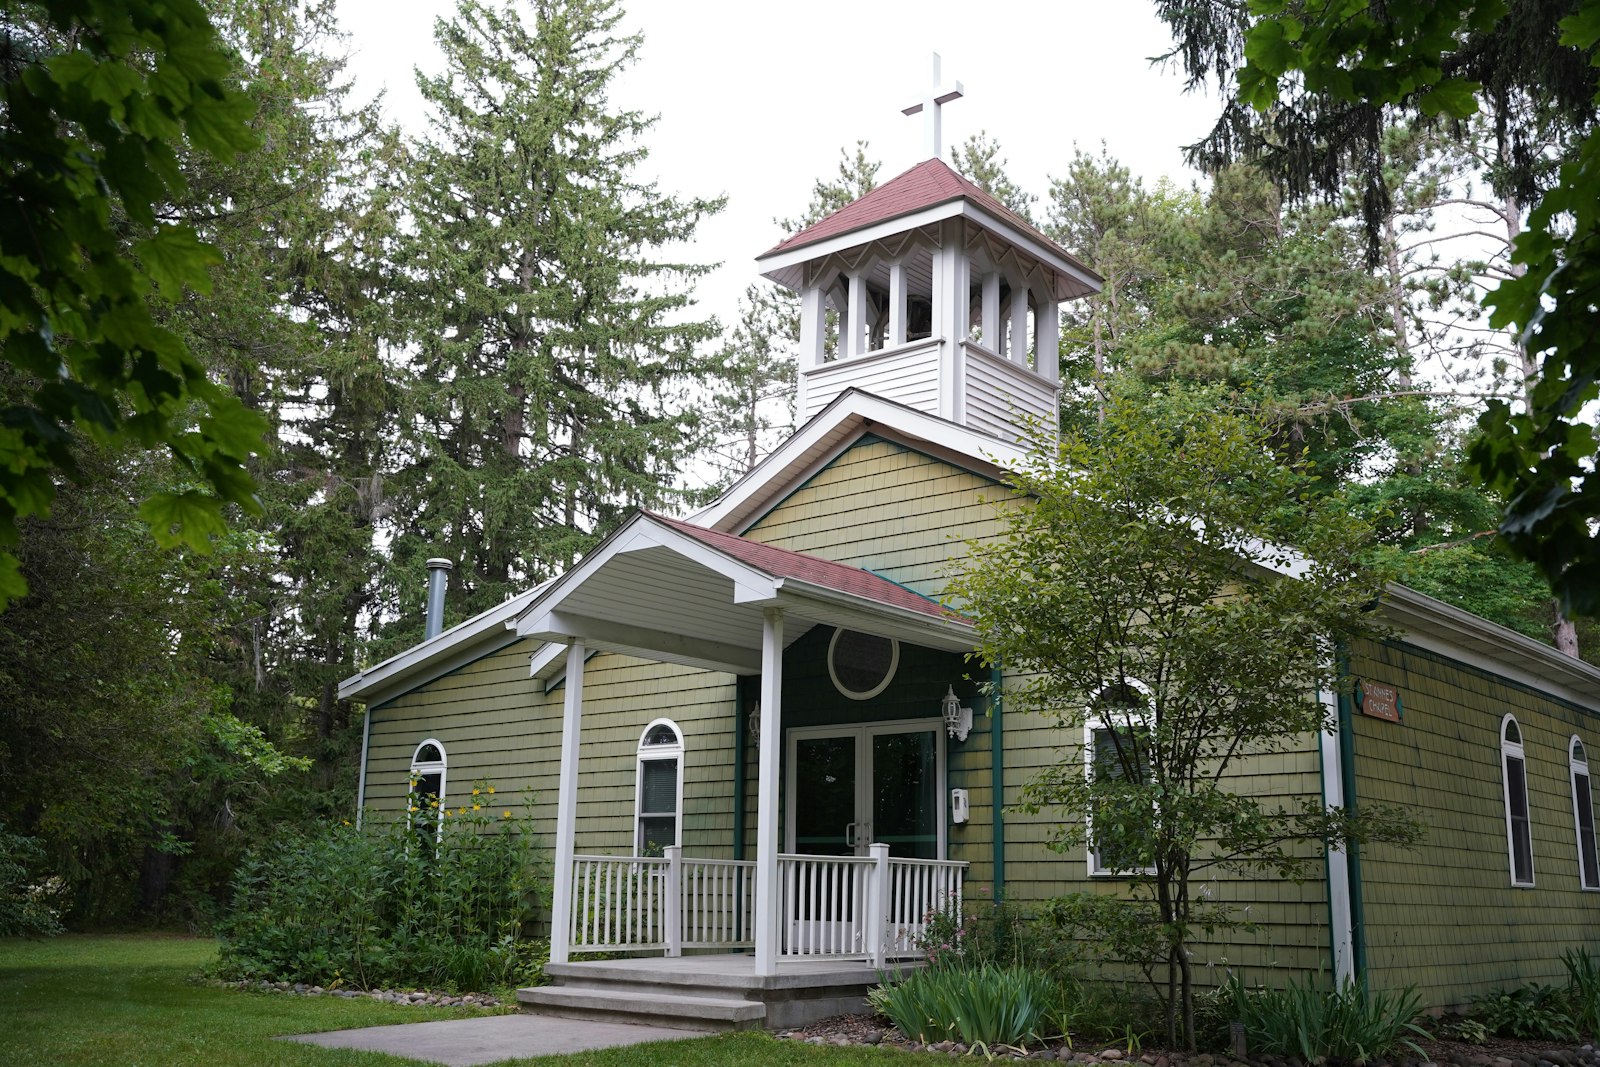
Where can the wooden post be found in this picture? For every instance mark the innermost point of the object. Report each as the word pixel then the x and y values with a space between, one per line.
pixel 672 900
pixel 878 903
pixel 1047 340
pixel 897 304
pixel 1017 347
pixel 856 313
pixel 566 807
pixel 813 338
pixel 767 791
pixel 993 332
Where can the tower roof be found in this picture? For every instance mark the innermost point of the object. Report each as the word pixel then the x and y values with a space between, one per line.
pixel 928 184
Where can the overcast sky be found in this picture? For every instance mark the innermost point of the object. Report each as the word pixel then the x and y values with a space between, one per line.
pixel 756 98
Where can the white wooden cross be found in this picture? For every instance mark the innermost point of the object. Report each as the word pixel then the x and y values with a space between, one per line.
pixel 929 107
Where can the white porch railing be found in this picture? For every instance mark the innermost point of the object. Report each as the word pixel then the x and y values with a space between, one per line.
pixel 830 907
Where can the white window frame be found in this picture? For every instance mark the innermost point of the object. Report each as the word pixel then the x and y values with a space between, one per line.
pixel 440 766
pixel 1578 764
pixel 1091 724
pixel 650 753
pixel 1515 750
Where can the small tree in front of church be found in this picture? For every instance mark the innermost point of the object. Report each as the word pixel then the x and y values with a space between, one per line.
pixel 1147 601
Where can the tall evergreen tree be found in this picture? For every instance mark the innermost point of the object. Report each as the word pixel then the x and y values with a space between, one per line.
pixel 979 158
pixel 552 343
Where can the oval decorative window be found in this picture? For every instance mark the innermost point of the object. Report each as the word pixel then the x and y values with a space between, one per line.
pixel 862 665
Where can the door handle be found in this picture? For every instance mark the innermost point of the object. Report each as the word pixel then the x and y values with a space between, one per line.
pixel 849 835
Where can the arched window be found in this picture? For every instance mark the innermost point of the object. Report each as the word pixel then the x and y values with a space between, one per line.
pixel 1514 782
pixel 427 789
pixel 1583 814
pixel 1116 746
pixel 659 792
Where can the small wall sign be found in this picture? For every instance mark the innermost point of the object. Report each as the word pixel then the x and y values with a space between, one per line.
pixel 1379 701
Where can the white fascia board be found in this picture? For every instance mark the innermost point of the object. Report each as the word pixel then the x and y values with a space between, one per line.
pixel 484 628
pixel 810 449
pixel 636 534
pixel 1032 245
pixel 1439 627
pixel 945 633
pixel 779 261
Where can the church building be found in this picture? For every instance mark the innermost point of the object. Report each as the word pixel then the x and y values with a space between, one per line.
pixel 760 757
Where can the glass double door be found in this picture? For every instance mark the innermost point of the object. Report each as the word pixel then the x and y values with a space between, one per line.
pixel 851 786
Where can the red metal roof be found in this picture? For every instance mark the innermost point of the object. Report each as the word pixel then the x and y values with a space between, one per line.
pixel 924 185
pixel 784 563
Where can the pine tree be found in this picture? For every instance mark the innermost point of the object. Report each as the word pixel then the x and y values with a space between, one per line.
pixel 551 344
pixel 979 159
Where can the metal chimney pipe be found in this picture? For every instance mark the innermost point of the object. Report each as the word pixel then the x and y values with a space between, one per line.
pixel 438 575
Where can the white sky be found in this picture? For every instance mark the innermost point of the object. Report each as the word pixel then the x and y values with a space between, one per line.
pixel 755 98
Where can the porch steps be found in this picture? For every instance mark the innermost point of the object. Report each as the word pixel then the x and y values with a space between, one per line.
pixel 701 992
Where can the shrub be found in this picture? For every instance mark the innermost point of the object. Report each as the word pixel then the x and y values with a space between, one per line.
pixel 385 906
pixel 1347 1024
pixel 1537 1012
pixel 26 893
pixel 985 1005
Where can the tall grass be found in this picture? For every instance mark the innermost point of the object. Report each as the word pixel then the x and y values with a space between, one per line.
pixel 386 906
pixel 987 1005
pixel 1348 1024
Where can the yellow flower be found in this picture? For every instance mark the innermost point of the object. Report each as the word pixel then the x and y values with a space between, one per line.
pixel 477 807
pixel 474 790
pixel 491 790
pixel 461 811
pixel 347 822
pixel 505 815
pixel 413 807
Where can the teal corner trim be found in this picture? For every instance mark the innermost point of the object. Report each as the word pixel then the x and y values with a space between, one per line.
pixel 1347 778
pixel 740 743
pixel 997 777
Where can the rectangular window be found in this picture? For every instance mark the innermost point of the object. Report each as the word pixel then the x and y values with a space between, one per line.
pixel 658 805
pixel 1520 828
pixel 1584 803
pixel 1111 753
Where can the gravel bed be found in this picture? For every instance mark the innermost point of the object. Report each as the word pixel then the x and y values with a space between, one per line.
pixel 419 997
pixel 846 1030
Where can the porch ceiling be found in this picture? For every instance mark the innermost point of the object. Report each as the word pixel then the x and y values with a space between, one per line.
pixel 657 590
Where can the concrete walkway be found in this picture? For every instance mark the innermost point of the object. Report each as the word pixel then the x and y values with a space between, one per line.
pixel 471 1042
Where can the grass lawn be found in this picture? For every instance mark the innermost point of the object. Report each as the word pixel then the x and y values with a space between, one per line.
pixel 89 1001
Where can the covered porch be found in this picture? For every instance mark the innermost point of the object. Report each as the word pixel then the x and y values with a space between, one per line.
pixel 669 591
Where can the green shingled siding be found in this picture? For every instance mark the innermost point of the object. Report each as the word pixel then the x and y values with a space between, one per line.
pixel 1445 916
pixel 496 723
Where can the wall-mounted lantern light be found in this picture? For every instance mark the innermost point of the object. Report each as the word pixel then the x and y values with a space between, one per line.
pixel 957 719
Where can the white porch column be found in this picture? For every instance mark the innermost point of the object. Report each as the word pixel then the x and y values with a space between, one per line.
pixel 856 313
pixel 767 760
pixel 813 336
pixel 878 904
pixel 566 806
pixel 1017 348
pixel 1047 343
pixel 993 337
pixel 897 305
pixel 672 900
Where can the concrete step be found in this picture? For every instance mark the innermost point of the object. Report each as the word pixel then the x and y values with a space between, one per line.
pixel 642 1005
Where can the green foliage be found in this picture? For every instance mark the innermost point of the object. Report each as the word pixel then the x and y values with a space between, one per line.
pixel 1142 566
pixel 383 906
pixel 1469 1031
pixel 26 904
pixel 1347 1025
pixel 987 1005
pixel 100 97
pixel 551 339
pixel 1534 1011
pixel 1583 989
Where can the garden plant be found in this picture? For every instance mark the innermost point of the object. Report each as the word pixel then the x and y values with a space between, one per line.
pixel 441 899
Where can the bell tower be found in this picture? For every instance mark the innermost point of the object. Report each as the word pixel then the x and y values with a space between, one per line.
pixel 931 293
